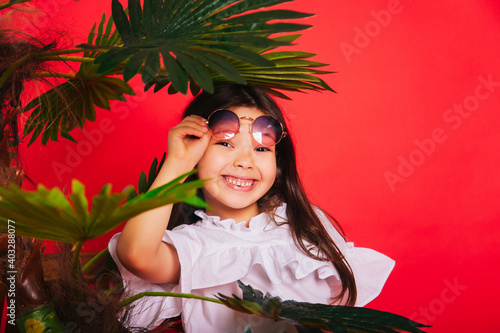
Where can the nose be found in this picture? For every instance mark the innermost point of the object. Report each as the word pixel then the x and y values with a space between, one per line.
pixel 244 154
pixel 244 157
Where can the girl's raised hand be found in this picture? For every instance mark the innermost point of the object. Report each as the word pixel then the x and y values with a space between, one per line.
pixel 187 143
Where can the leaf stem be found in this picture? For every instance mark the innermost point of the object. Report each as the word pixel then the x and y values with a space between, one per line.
pixel 75 264
pixel 12 68
pixel 153 293
pixel 94 259
pixel 68 58
pixel 55 74
pixel 57 52
pixel 69 51
pixel 10 3
pixel 47 56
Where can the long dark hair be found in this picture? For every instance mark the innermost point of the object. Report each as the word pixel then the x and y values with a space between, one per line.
pixel 304 223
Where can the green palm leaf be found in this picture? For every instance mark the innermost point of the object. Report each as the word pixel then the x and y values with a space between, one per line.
pixel 306 317
pixel 197 40
pixel 48 214
pixel 59 110
pixel 56 112
pixel 309 317
pixel 146 182
pixel 291 70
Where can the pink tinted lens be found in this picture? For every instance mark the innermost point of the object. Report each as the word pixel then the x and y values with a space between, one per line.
pixel 267 130
pixel 224 124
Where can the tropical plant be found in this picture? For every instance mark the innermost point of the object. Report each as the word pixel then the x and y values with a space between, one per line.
pixel 317 318
pixel 48 215
pixel 306 317
pixel 145 182
pixel 197 42
pixel 178 44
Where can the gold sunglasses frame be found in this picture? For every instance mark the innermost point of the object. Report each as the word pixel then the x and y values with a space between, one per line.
pixel 283 132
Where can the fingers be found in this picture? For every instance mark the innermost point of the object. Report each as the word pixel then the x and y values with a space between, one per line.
pixel 191 126
pixel 188 141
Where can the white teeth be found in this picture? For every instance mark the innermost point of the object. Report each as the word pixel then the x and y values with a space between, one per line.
pixel 239 182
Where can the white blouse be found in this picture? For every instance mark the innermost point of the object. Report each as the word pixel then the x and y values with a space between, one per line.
pixel 214 254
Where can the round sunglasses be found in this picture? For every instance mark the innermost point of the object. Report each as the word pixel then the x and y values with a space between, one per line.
pixel 225 124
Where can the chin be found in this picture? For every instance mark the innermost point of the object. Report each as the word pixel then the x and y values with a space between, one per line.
pixel 239 205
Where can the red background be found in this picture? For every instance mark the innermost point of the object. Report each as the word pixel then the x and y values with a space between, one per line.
pixel 366 153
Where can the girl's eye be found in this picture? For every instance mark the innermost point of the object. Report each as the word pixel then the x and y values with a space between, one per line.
pixel 262 149
pixel 224 143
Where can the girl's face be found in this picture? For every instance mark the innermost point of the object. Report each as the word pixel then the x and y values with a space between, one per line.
pixel 240 171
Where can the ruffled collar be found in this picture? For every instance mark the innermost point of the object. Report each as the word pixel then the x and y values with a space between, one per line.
pixel 259 222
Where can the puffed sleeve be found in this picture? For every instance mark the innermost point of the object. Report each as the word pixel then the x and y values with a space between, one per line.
pixel 371 268
pixel 146 312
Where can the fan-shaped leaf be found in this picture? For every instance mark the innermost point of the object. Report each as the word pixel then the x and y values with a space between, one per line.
pixel 113 58
pixel 135 13
pixel 133 65
pixel 121 20
pixel 197 72
pixel 187 33
pixel 143 183
pixel 99 100
pixel 265 16
pixel 151 66
pixel 236 52
pixel 100 30
pixel 309 317
pixel 71 104
pixel 244 6
pixel 219 65
pixel 47 214
pixel 152 172
pixel 147 15
pixel 90 38
pixel 291 71
pixel 175 73
pixel 273 56
pixel 152 19
pixel 104 37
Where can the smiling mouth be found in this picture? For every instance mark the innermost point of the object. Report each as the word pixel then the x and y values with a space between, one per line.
pixel 242 183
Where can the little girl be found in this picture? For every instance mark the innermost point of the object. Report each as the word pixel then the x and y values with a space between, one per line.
pixel 260 228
